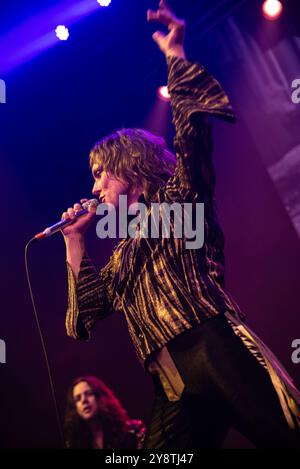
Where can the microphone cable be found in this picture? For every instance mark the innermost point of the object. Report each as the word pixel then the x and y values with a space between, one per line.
pixel 50 378
pixel 49 232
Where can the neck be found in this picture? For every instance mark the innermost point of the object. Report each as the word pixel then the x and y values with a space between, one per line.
pixel 131 199
pixel 97 432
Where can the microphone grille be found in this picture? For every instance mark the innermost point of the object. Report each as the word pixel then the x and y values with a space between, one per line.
pixel 91 202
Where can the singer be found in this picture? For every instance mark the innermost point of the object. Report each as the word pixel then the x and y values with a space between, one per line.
pixel 210 371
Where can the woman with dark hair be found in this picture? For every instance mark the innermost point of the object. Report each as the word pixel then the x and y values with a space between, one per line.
pixel 95 418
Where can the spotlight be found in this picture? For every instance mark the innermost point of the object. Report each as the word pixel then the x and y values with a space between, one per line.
pixel 104 3
pixel 163 93
pixel 62 32
pixel 272 9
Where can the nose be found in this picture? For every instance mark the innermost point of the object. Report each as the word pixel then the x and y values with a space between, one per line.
pixel 84 399
pixel 96 189
pixel 100 184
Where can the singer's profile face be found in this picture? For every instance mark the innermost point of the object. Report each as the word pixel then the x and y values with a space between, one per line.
pixel 107 188
pixel 85 401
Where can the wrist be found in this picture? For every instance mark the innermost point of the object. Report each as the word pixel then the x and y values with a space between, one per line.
pixel 74 239
pixel 176 52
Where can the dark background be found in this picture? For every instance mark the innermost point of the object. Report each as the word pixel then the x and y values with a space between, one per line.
pixel 58 104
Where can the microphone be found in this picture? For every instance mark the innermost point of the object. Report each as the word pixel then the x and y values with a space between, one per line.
pixel 63 223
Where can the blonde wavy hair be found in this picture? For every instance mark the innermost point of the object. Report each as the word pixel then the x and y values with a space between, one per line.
pixel 136 156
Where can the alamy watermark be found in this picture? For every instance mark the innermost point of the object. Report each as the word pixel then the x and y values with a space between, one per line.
pixel 159 220
pixel 2 92
pixel 2 351
pixel 296 353
pixel 296 92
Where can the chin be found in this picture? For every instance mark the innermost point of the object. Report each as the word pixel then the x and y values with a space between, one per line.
pixel 88 417
pixel 113 202
pixel 111 205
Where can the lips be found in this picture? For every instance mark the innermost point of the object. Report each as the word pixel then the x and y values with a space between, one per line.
pixel 86 409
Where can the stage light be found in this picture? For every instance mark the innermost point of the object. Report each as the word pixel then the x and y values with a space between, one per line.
pixel 272 9
pixel 62 32
pixel 104 3
pixel 163 93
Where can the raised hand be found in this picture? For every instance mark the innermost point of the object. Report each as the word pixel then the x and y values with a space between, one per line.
pixel 171 43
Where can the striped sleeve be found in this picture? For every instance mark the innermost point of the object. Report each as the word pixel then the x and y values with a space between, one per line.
pixel 195 95
pixel 89 300
pixel 194 90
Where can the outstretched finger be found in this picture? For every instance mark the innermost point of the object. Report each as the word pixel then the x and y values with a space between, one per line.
pixel 164 17
pixel 158 36
pixel 163 5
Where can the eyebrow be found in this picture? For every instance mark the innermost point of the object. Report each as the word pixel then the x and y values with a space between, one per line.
pixel 99 167
pixel 82 393
pixel 77 396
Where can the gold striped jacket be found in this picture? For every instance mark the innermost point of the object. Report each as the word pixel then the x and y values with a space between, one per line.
pixel 161 287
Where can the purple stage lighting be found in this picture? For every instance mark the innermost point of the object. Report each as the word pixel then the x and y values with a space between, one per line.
pixel 104 3
pixel 36 34
pixel 62 32
pixel 163 93
pixel 272 9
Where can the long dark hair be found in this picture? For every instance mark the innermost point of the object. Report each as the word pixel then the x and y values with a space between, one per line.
pixel 112 417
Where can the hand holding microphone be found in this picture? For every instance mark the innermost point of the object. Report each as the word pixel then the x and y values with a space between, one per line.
pixel 75 221
pixel 80 217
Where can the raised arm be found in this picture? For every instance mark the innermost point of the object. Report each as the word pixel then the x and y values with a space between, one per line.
pixel 195 95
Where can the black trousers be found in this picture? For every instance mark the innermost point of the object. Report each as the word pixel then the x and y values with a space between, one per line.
pixel 225 387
